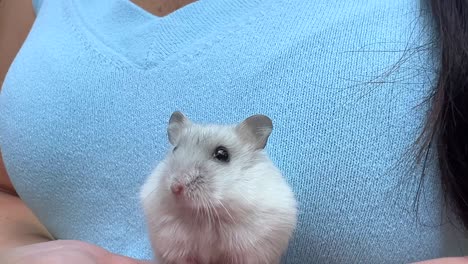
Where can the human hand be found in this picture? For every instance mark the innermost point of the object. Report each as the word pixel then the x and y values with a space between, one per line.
pixel 451 260
pixel 63 251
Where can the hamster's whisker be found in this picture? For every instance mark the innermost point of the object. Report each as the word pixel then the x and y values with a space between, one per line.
pixel 197 212
pixel 216 212
pixel 227 211
pixel 248 204
pixel 150 194
pixel 212 216
pixel 207 211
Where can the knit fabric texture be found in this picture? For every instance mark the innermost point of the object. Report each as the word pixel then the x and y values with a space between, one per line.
pixel 85 105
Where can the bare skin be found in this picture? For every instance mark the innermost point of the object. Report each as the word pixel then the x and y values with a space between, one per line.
pixel 63 251
pixel 162 8
pixel 23 239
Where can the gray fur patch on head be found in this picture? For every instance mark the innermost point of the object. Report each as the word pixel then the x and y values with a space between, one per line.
pixel 177 123
pixel 255 130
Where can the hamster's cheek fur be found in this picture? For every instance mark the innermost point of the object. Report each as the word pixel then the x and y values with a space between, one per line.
pixel 153 182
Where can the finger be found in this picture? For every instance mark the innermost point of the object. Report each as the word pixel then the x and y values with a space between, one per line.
pixel 33 249
pixel 40 252
pixel 450 260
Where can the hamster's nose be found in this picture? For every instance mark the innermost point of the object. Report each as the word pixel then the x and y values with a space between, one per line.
pixel 177 188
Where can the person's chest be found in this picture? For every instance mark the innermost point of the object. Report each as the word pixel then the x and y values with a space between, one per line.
pixel 85 106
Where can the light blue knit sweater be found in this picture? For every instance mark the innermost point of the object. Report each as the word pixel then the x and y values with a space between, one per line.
pixel 85 105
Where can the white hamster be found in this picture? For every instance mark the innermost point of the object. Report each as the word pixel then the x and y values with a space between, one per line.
pixel 217 198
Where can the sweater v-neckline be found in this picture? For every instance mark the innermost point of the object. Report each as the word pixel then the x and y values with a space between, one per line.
pixel 144 39
pixel 162 9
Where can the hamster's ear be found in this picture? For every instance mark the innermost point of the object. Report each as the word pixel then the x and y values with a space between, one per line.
pixel 255 130
pixel 177 123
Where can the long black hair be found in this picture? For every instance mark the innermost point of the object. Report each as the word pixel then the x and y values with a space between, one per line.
pixel 446 129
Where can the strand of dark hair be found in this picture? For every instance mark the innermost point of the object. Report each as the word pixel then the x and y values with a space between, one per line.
pixel 447 125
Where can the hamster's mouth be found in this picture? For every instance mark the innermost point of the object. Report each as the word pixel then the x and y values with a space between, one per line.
pixel 204 209
pixel 194 200
pixel 190 201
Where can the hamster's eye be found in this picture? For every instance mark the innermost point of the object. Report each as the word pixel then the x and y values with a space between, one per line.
pixel 221 154
pixel 174 149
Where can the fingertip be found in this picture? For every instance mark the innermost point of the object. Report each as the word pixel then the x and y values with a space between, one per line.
pixel 448 260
